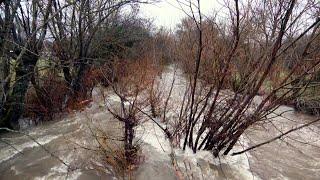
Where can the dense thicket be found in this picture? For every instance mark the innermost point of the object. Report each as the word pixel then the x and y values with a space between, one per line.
pixel 260 47
pixel 50 50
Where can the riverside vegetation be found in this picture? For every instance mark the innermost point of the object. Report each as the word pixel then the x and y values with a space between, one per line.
pixel 230 72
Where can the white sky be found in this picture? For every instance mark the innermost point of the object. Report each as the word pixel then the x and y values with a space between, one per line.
pixel 168 15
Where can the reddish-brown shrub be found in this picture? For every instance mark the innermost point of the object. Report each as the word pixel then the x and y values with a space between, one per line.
pixel 46 98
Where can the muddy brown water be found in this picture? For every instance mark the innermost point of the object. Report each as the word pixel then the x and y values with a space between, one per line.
pixel 288 158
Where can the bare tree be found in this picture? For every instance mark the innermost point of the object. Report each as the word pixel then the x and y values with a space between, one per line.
pixel 69 27
pixel 26 36
pixel 75 31
pixel 216 117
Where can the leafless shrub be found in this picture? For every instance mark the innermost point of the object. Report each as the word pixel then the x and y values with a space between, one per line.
pixel 242 56
pixel 155 98
pixel 134 80
pixel 114 154
pixel 46 98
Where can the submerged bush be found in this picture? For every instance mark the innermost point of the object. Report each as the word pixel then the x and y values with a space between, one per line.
pixel 45 99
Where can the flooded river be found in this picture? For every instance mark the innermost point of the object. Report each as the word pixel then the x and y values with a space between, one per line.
pixel 296 156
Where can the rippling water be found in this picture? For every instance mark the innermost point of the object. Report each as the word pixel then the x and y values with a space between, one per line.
pixel 288 158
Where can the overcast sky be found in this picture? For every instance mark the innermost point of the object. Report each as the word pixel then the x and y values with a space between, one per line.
pixel 167 14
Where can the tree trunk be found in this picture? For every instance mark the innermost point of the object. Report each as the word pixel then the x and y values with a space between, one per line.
pixel 14 108
pixel 128 140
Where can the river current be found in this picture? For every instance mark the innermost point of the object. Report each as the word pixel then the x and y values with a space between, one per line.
pixel 296 156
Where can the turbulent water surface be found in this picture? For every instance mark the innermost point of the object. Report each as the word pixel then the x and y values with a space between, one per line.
pixel 296 156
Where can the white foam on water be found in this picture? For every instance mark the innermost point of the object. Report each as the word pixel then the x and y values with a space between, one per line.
pixel 237 165
pixel 60 172
pixel 150 134
pixel 8 152
pixel 16 172
pixel 116 98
